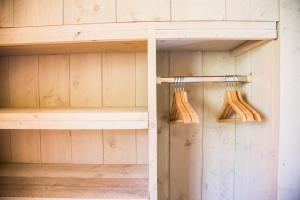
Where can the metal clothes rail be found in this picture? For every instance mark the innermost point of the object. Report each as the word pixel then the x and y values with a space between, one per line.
pixel 205 79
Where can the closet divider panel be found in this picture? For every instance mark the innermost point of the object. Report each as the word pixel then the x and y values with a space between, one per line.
pixel 262 139
pixel 186 140
pixel 163 128
pixel 23 89
pixel 89 11
pixel 188 10
pixel 38 12
pixel 86 91
pixel 6 13
pixel 218 138
pixel 54 90
pixel 5 136
pixel 143 10
pixel 141 99
pixel 118 79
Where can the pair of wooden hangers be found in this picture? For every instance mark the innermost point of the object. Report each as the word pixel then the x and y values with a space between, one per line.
pixel 234 103
pixel 181 110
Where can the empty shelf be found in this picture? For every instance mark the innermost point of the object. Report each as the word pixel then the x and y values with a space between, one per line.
pixel 73 118
pixel 32 181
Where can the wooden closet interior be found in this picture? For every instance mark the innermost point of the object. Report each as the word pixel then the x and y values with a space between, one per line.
pixel 81 117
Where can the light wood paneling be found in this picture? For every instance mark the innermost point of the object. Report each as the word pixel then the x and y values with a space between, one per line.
pixel 258 142
pixel 4 82
pixel 6 13
pixel 163 128
pixel 38 12
pixel 87 147
pixel 118 79
pixel 23 85
pixel 186 141
pixel 142 146
pixel 5 146
pixel 89 11
pixel 143 10
pixel 54 81
pixel 218 138
pixel 56 146
pixel 187 10
pixel 26 146
pixel 85 80
pixel 252 10
pixel 23 81
pixel 119 147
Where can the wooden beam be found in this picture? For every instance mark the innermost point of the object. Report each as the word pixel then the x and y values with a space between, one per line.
pixel 247 46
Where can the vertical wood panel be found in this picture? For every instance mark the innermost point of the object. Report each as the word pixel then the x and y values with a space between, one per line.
pixel 258 181
pixel 252 10
pixel 56 146
pixel 4 82
pixel 118 79
pixel 87 147
pixel 198 10
pixel 26 146
pixel 218 138
pixel 6 13
pixel 5 146
pixel 54 92
pixel 85 80
pixel 85 91
pixel 143 10
pixel 163 109
pixel 141 100
pixel 119 147
pixel 54 80
pixel 38 12
pixel 186 140
pixel 89 11
pixel 5 136
pixel 23 83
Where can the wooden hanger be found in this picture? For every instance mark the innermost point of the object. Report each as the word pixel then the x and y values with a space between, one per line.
pixel 178 110
pixel 189 108
pixel 228 104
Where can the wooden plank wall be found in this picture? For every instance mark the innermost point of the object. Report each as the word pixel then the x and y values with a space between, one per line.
pixel 20 13
pixel 76 80
pixel 213 161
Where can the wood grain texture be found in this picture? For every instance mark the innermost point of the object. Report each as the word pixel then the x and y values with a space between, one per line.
pixel 4 82
pixel 186 140
pixel 26 146
pixel 183 10
pixel 118 91
pixel 91 11
pixel 142 146
pixel 163 128
pixel 289 44
pixel 56 146
pixel 119 147
pixel 85 80
pixel 252 10
pixel 87 147
pixel 143 10
pixel 38 12
pixel 54 81
pixel 5 146
pixel 218 139
pixel 6 13
pixel 23 81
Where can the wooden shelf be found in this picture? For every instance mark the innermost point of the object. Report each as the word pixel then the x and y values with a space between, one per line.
pixel 32 181
pixel 74 119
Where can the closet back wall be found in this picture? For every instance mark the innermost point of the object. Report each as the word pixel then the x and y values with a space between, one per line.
pixel 90 80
